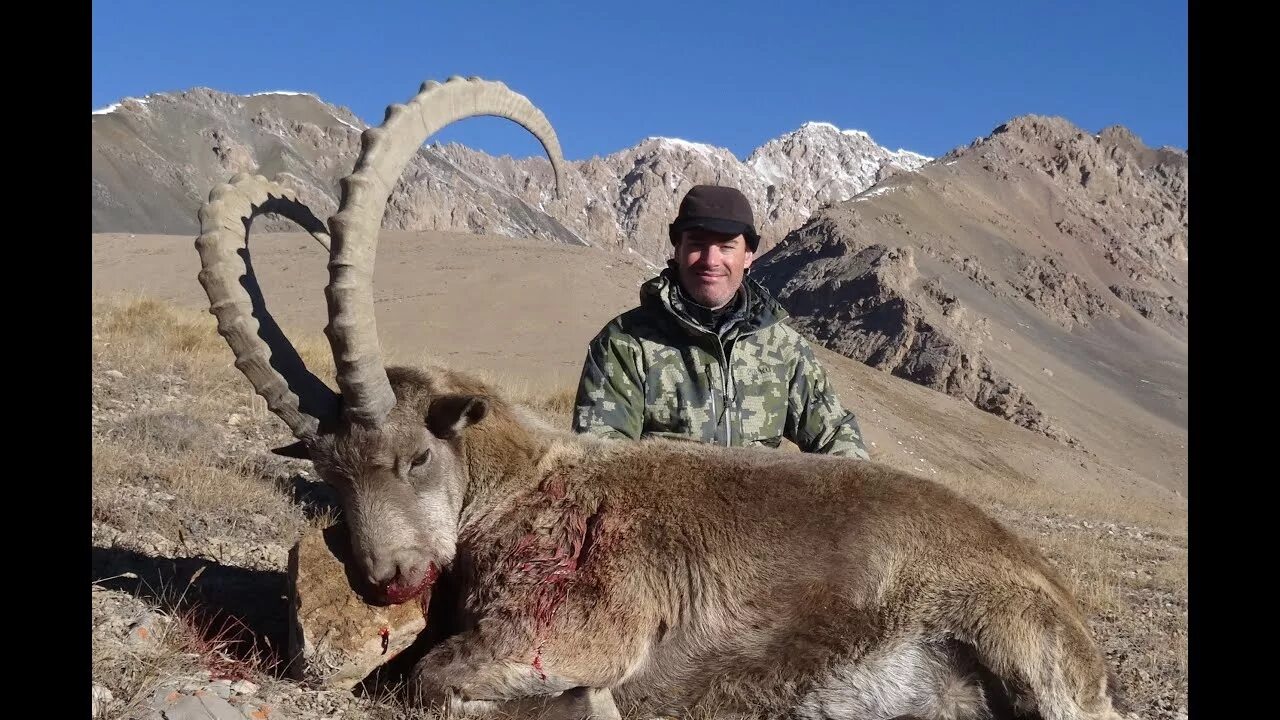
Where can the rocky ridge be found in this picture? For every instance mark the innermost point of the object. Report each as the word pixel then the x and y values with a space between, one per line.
pixel 155 159
pixel 1039 226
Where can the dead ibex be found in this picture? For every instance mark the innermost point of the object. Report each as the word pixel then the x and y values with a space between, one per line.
pixel 659 574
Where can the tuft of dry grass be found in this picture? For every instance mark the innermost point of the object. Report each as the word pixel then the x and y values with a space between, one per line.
pixel 144 333
pixel 168 432
pixel 159 326
pixel 1087 569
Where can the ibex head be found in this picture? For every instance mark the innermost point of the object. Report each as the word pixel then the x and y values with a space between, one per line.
pixel 387 441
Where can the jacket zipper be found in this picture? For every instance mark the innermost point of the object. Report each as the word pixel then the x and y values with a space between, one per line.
pixel 712 392
pixel 729 394
pixel 728 415
pixel 725 393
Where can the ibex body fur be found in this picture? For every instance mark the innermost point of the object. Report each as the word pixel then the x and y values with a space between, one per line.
pixel 657 575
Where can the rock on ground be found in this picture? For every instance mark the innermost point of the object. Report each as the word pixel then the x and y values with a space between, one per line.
pixel 337 639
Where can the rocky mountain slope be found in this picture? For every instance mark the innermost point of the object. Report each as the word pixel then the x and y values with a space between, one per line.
pixel 1039 273
pixel 155 159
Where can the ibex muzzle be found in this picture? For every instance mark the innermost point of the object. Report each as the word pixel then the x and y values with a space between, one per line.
pixel 400 484
pixel 665 574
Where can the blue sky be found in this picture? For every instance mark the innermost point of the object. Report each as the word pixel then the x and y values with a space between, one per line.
pixel 924 76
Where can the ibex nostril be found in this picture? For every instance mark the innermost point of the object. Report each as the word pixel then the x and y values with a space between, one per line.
pixel 381 572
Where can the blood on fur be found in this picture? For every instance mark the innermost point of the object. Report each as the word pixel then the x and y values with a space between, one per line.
pixel 549 557
pixel 537 663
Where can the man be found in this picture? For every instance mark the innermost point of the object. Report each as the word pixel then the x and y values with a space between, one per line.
pixel 706 356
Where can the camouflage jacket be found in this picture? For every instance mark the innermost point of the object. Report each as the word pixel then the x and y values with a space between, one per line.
pixel 655 371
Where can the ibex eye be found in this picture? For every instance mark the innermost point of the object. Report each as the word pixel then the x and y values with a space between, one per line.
pixel 421 458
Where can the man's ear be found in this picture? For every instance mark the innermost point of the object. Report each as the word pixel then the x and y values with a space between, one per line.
pixel 294 450
pixel 451 414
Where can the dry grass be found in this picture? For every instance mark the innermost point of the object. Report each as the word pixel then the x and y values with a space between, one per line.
pixel 199 485
pixel 166 426
pixel 138 331
pixel 176 641
pixel 171 410
pixel 1013 491
pixel 1134 589
pixel 134 676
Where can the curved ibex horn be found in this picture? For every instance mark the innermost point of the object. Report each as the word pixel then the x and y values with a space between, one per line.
pixel 262 351
pixel 386 150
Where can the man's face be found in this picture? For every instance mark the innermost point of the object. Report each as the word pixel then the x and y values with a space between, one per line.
pixel 711 265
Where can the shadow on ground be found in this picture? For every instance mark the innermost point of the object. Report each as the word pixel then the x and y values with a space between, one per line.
pixel 246 610
pixel 317 499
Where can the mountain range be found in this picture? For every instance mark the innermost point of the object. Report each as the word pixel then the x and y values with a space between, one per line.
pixel 1038 273
pixel 155 158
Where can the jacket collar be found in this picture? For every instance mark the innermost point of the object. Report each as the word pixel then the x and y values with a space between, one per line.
pixel 759 312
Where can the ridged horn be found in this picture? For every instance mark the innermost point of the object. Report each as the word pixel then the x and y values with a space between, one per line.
pixel 385 151
pixel 263 353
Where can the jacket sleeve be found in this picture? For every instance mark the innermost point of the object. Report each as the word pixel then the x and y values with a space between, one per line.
pixel 816 421
pixel 610 397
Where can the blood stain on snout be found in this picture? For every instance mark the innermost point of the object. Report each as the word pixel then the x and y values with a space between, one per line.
pixel 396 594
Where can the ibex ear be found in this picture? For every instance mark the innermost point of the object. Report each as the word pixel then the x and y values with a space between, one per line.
pixel 294 450
pixel 451 414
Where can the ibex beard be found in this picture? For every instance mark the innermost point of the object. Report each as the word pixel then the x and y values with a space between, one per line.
pixel 658 574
